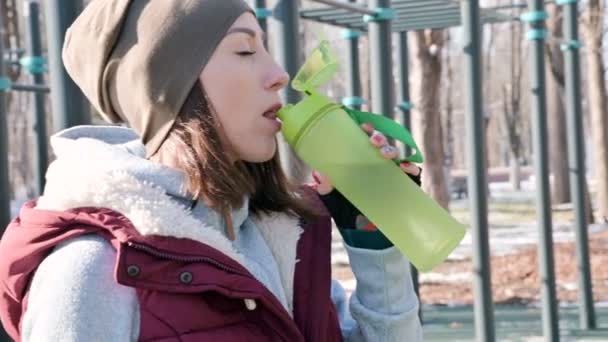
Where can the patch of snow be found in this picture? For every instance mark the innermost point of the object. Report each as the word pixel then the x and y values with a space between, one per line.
pixel 442 278
pixel 505 241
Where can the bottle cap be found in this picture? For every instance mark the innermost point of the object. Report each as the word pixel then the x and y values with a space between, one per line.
pixel 318 69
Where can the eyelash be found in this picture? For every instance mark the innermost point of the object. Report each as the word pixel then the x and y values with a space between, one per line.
pixel 246 53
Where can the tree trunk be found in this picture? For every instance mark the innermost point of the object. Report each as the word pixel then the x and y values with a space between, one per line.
pixel 512 121
pixel 427 115
pixel 556 114
pixel 597 102
pixel 599 129
pixel 514 172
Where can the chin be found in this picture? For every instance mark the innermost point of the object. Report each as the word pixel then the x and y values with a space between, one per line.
pixel 260 156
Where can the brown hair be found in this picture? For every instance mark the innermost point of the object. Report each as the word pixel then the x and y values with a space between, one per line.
pixel 195 148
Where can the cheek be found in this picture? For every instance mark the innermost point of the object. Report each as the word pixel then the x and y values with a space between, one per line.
pixel 232 92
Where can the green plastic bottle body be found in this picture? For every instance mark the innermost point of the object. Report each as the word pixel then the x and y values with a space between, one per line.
pixel 332 143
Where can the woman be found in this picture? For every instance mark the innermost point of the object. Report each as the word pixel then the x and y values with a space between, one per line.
pixel 184 228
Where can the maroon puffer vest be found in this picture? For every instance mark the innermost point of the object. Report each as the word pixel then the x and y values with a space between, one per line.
pixel 188 291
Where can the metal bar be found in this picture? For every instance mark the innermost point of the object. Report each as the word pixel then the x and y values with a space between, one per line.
pixel 69 106
pixel 262 21
pixel 5 198
pixel 576 151
pixel 347 6
pixel 439 25
pixel 405 15
pixel 382 97
pixel 338 12
pixel 353 75
pixel 419 4
pixel 360 27
pixel 422 8
pixel 34 88
pixel 427 6
pixel 404 26
pixel 401 16
pixel 404 97
pixel 541 168
pixel 288 54
pixel 450 13
pixel 311 13
pixel 34 46
pixel 403 80
pixel 477 180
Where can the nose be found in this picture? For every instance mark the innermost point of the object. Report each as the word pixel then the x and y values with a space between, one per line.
pixel 278 78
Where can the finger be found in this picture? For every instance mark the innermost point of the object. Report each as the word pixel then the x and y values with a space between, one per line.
pixel 410 168
pixel 378 139
pixel 324 185
pixel 389 152
pixel 368 128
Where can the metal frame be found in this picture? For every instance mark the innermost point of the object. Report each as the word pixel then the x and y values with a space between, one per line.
pixel 414 15
pixel 411 15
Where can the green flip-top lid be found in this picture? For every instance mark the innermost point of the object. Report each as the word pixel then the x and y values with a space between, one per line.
pixel 318 69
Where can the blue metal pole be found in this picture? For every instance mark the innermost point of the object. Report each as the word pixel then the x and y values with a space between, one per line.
pixel 286 36
pixel 405 106
pixel 477 180
pixel 262 13
pixel 34 47
pixel 69 105
pixel 353 74
pixel 576 152
pixel 536 17
pixel 381 66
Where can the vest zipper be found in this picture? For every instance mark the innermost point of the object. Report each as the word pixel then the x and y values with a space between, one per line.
pixel 163 255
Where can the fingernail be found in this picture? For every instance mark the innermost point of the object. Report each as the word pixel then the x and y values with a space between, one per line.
pixel 315 176
pixel 378 137
pixel 388 149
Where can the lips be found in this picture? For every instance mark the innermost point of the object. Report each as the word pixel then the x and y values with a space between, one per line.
pixel 271 115
pixel 271 112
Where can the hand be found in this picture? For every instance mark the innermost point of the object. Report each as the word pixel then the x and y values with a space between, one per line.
pixel 323 183
pixel 344 213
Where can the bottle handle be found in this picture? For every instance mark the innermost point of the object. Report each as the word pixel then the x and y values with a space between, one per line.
pixel 389 128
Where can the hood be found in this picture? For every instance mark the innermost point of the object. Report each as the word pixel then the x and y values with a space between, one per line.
pixel 105 167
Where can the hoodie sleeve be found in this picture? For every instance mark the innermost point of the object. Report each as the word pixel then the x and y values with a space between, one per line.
pixel 384 306
pixel 73 297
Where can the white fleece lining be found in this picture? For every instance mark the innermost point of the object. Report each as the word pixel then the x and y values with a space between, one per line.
pixel 282 240
pixel 70 184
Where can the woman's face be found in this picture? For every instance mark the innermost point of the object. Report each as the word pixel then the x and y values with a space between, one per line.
pixel 242 82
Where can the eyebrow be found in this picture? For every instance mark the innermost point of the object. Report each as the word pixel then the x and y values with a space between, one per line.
pixel 247 31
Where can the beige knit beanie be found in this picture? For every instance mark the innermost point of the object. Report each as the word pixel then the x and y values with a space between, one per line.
pixel 136 60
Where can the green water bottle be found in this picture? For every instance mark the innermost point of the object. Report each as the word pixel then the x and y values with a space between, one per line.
pixel 328 137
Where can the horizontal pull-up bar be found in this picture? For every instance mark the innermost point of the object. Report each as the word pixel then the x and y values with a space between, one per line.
pixel 347 6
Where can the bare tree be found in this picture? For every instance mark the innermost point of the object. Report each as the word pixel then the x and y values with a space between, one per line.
pixel 449 104
pixel 512 116
pixel 593 30
pixel 558 154
pixel 426 120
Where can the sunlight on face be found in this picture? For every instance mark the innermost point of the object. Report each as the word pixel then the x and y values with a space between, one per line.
pixel 242 81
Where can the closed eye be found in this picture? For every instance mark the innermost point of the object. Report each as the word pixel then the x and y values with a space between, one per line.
pixel 246 53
